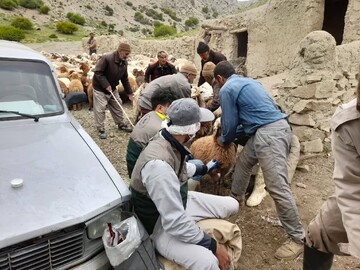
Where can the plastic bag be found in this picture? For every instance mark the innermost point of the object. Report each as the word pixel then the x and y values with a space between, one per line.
pixel 132 239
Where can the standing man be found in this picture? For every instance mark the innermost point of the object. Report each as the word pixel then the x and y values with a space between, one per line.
pixel 180 83
pixel 335 229
pixel 111 68
pixel 245 102
pixel 160 68
pixel 160 197
pixel 92 44
pixel 207 55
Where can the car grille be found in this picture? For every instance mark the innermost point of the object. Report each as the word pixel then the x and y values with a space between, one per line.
pixel 50 253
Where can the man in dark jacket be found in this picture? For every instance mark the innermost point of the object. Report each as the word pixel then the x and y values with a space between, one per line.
pixel 160 68
pixel 208 55
pixel 111 68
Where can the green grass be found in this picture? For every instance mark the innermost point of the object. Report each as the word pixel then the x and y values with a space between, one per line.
pixel 39 36
pixel 192 32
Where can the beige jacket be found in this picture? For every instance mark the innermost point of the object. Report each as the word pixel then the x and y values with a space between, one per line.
pixel 346 151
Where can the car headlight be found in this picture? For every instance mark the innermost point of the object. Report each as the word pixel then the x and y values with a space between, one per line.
pixel 96 226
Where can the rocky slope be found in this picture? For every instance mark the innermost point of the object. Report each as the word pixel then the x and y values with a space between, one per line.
pixel 121 13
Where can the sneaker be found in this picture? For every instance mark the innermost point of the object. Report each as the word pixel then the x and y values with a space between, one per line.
pixel 102 134
pixel 124 127
pixel 289 250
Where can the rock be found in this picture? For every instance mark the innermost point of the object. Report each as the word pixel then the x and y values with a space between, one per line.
pixel 301 120
pixel 304 168
pixel 307 133
pixel 301 185
pixel 314 146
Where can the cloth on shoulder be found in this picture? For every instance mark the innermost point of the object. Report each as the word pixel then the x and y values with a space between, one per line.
pixel 224 232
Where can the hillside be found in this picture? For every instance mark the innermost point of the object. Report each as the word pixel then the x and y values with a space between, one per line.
pixel 133 18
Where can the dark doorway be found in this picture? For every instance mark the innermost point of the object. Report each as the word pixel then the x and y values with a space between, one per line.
pixel 242 39
pixel 334 18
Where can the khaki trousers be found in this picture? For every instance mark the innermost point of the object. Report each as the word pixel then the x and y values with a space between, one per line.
pixel 101 101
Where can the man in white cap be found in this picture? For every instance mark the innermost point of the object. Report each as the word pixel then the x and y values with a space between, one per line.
pixel 162 201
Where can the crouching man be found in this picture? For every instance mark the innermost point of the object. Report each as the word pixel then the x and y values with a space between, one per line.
pixel 162 201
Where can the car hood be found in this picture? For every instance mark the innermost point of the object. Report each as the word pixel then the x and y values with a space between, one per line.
pixel 64 182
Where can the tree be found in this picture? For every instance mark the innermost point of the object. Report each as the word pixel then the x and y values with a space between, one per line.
pixel 164 30
pixel 66 27
pixel 22 23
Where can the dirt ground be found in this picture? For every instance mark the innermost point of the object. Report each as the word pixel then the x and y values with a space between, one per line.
pixel 260 238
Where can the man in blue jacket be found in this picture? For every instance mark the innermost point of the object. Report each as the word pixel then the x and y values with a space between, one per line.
pixel 246 104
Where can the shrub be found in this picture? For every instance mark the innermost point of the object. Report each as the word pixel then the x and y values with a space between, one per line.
pixel 31 4
pixel 157 23
pixel 44 9
pixel 66 27
pixel 154 14
pixel 192 21
pixel 8 32
pixel 8 4
pixel 129 3
pixel 215 14
pixel 108 11
pixel 53 36
pixel 134 29
pixel 172 14
pixel 205 10
pixel 22 23
pixel 75 18
pixel 103 23
pixel 164 30
pixel 141 19
pixel 88 7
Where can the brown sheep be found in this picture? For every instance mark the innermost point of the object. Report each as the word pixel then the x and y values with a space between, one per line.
pixel 208 148
pixel 133 85
pixel 63 72
pixel 75 86
pixel 63 87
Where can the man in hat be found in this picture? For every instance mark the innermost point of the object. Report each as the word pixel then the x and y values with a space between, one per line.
pixel 245 102
pixel 92 44
pixel 180 82
pixel 207 55
pixel 335 229
pixel 111 68
pixel 208 75
pixel 160 197
pixel 160 68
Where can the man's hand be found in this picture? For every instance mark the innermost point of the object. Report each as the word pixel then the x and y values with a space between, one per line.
pixel 222 256
pixel 109 89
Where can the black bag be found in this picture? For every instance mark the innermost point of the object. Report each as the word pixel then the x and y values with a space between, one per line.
pixel 144 257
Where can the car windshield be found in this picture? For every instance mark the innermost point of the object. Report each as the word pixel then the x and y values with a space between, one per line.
pixel 28 88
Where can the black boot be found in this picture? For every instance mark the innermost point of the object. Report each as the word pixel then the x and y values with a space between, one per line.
pixel 316 260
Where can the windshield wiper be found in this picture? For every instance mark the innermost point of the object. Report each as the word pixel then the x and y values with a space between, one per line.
pixel 36 118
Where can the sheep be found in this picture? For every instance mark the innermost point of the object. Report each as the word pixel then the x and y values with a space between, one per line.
pixel 208 148
pixel 133 85
pixel 75 86
pixel 63 87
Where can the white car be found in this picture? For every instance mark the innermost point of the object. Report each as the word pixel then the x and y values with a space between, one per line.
pixel 57 188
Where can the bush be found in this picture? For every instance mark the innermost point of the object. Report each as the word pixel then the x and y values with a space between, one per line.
pixel 66 27
pixel 11 33
pixel 53 36
pixel 129 3
pixel 157 23
pixel 44 9
pixel 88 7
pixel 103 23
pixel 164 30
pixel 31 4
pixel 154 14
pixel 75 18
pixel 22 23
pixel 205 10
pixel 192 21
pixel 108 11
pixel 172 14
pixel 141 19
pixel 8 4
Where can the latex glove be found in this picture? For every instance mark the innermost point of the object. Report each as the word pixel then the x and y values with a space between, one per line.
pixel 211 165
